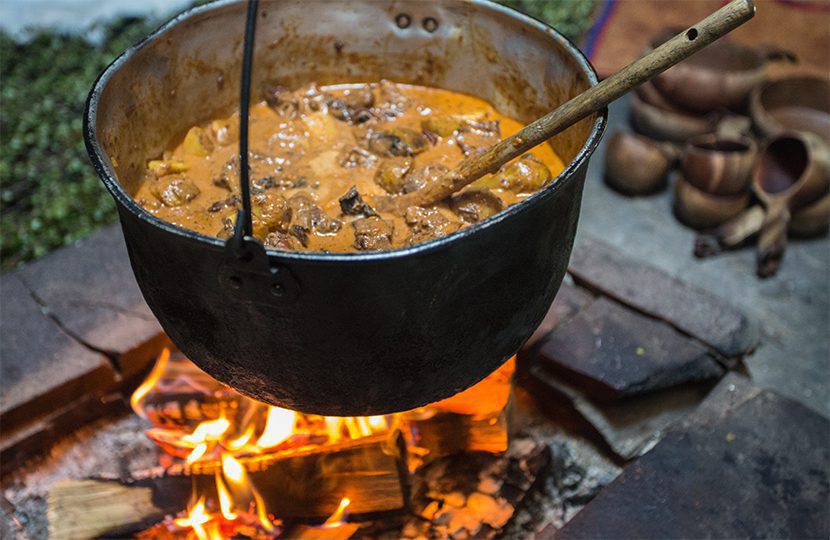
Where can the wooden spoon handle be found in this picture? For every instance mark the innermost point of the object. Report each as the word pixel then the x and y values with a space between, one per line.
pixel 592 100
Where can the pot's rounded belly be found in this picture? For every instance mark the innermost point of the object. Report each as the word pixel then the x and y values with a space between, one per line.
pixel 311 146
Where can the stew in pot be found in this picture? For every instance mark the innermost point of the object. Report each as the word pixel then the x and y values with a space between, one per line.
pixel 319 155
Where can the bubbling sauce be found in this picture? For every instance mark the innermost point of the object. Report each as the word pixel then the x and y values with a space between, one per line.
pixel 319 155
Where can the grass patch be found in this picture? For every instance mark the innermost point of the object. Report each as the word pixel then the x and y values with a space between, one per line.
pixel 49 194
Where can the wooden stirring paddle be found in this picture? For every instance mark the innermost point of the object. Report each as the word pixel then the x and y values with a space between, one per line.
pixel 588 102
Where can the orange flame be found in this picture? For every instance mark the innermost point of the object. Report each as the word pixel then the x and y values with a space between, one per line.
pixel 140 394
pixel 234 472
pixel 206 432
pixel 196 518
pixel 337 518
pixel 278 427
pixel 225 500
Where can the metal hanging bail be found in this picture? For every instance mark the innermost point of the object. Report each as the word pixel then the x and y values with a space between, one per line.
pixel 247 273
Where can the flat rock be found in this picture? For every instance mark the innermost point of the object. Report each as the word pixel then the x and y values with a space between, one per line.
pixel 693 311
pixel 759 470
pixel 631 426
pixel 90 289
pixel 41 365
pixel 609 351
pixel 569 300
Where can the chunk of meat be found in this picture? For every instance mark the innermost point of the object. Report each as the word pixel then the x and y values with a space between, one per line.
pixel 174 190
pixel 261 167
pixel 282 181
pixel 281 240
pixel 353 106
pixel 269 212
pixel 231 202
pixel 397 142
pixel 284 102
pixel 474 205
pixel 524 175
pixel 307 217
pixel 352 204
pixel 372 233
pixel 427 224
pixel 474 137
pixel 423 175
pixel 391 174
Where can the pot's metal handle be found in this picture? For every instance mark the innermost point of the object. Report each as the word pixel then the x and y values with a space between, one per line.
pixel 244 107
pixel 247 273
pixel 248 276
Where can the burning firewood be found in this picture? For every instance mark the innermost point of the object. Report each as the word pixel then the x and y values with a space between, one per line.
pixel 307 483
pixel 310 483
pixel 472 421
pixel 435 435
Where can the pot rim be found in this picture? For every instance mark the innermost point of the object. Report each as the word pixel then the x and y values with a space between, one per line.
pixel 107 174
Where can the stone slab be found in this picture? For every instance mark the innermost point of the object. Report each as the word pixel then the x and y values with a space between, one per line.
pixel 645 288
pixel 760 470
pixel 609 351
pixel 38 436
pixel 631 426
pixel 569 300
pixel 89 287
pixel 41 367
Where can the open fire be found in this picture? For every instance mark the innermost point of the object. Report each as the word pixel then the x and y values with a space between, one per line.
pixel 206 429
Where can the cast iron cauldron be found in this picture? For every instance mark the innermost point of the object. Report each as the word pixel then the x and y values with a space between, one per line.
pixel 347 334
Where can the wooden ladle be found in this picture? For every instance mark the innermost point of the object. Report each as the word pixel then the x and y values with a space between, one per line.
pixel 588 102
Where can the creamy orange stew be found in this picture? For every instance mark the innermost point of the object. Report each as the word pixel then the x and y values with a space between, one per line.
pixel 319 155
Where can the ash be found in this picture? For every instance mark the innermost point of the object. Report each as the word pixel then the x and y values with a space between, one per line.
pixel 577 471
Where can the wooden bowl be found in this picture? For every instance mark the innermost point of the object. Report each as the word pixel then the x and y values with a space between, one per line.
pixel 793 169
pixel 669 125
pixel 719 165
pixel 701 210
pixel 652 95
pixel 721 75
pixel 636 165
pixel 792 103
pixel 811 220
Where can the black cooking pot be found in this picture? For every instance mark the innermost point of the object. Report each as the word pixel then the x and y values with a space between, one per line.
pixel 353 333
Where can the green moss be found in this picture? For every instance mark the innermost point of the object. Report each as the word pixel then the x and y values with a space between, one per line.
pixel 571 17
pixel 49 194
